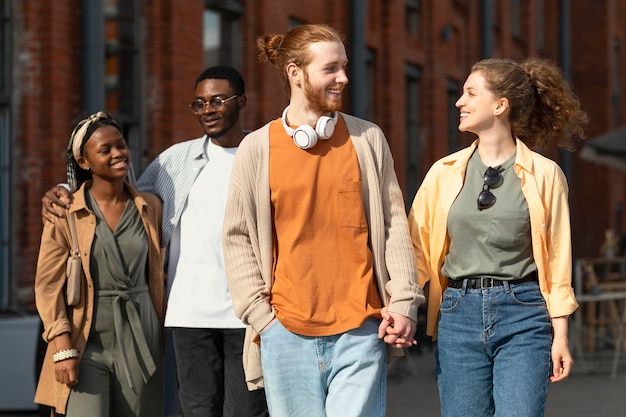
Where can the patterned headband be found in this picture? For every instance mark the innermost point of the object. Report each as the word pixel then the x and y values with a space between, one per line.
pixel 78 135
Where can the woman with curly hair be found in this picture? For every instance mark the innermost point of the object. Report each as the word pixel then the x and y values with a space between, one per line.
pixel 491 232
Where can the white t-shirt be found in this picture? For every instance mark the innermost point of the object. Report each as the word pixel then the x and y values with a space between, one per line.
pixel 198 295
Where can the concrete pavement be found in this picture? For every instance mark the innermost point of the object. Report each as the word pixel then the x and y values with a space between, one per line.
pixel 412 389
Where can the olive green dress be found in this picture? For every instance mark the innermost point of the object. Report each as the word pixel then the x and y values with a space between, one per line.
pixel 121 370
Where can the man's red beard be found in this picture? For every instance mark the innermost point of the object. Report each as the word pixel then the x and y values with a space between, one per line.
pixel 317 98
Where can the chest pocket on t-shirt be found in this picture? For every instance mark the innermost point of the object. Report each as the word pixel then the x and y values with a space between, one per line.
pixel 508 228
pixel 351 212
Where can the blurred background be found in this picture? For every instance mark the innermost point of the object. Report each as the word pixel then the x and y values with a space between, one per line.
pixel 138 59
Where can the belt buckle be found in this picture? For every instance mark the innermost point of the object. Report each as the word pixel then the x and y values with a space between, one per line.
pixel 489 280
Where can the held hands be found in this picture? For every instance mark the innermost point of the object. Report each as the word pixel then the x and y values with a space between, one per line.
pixel 55 197
pixel 396 329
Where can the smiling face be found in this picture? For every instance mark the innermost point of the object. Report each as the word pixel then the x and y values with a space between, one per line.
pixel 478 105
pixel 106 154
pixel 325 76
pixel 217 121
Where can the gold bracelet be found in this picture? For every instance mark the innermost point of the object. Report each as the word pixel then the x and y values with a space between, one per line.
pixel 64 354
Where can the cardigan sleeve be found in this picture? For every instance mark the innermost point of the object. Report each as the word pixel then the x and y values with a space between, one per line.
pixel 405 294
pixel 242 236
pixel 394 264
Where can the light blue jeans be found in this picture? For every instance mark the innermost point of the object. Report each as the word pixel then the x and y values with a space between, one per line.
pixel 493 352
pixel 328 376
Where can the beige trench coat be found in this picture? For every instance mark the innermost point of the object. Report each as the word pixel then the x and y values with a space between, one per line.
pixel 50 279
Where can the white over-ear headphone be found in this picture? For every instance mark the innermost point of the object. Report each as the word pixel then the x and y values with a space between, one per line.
pixel 305 137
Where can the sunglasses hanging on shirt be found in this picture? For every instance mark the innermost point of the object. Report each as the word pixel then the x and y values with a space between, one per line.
pixel 491 179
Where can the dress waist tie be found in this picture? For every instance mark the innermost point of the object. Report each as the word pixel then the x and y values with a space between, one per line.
pixel 144 361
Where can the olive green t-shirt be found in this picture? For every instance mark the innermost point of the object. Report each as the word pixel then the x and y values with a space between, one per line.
pixel 493 242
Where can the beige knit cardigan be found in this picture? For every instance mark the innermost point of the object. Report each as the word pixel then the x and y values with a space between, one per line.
pixel 247 235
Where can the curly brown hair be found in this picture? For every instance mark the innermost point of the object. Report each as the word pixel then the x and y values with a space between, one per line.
pixel 543 106
pixel 282 50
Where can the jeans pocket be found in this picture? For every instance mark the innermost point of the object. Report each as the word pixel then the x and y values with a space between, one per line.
pixel 269 326
pixel 527 294
pixel 451 298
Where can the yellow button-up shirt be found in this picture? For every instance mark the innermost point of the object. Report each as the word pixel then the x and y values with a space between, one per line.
pixel 545 188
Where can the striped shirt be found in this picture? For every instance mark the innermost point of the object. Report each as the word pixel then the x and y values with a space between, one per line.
pixel 170 176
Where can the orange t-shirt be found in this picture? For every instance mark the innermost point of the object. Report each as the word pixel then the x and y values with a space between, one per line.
pixel 323 281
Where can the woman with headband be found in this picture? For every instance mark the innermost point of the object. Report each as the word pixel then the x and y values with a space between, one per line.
pixel 104 355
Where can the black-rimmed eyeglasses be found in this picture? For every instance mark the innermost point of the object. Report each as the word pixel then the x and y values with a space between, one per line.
pixel 197 106
pixel 491 179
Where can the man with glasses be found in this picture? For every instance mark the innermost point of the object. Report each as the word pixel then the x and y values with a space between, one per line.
pixel 192 177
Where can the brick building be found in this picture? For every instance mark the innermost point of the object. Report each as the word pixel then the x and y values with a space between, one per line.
pixel 138 59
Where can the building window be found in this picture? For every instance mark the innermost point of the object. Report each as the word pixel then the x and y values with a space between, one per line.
pixel 5 151
pixel 110 57
pixel 222 33
pixel 616 87
pixel 540 25
pixel 122 77
pixel 295 22
pixel 370 80
pixel 412 113
pixel 5 50
pixel 453 94
pixel 516 27
pixel 412 17
pixel 121 56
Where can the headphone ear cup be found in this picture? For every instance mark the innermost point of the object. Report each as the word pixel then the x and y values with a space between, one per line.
pixel 325 127
pixel 304 137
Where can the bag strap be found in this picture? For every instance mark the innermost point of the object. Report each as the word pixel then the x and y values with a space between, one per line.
pixel 75 251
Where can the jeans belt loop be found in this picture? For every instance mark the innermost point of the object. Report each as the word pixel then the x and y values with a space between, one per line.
pixel 488 280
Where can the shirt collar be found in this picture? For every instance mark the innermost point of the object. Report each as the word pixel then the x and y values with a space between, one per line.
pixel 523 159
pixel 199 148
pixel 80 200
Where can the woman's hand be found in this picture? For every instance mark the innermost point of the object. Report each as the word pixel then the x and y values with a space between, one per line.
pixel 562 361
pixel 66 371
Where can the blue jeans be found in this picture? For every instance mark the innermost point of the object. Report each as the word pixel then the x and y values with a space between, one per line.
pixel 211 382
pixel 327 376
pixel 493 352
